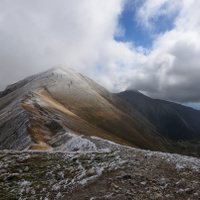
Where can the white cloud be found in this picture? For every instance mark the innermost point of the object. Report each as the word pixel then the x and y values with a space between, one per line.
pixel 150 11
pixel 171 70
pixel 36 35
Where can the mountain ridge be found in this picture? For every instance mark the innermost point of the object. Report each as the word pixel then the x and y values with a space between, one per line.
pixel 173 120
pixel 59 102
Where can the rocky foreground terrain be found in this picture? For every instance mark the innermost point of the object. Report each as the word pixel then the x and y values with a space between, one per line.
pixel 110 171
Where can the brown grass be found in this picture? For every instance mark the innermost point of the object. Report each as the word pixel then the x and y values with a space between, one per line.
pixel 105 121
pixel 50 102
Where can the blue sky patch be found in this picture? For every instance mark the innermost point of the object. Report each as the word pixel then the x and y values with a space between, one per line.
pixel 133 32
pixel 138 34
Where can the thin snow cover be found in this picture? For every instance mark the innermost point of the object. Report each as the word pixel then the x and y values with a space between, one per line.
pixel 181 162
pixel 68 83
pixel 108 141
pixel 105 145
pixel 78 143
pixel 65 83
pixel 59 172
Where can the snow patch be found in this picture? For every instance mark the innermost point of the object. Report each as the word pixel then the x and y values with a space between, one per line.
pixel 78 144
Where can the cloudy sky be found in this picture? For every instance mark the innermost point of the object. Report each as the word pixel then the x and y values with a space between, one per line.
pixel 149 45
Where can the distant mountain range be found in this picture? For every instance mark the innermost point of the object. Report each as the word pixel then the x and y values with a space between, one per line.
pixel 172 120
pixel 60 107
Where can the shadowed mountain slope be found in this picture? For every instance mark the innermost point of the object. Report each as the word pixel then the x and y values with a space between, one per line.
pixel 47 110
pixel 173 120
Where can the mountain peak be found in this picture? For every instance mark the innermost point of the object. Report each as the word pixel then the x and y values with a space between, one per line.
pixel 54 76
pixel 132 90
pixel 172 120
pixel 61 69
pixel 42 108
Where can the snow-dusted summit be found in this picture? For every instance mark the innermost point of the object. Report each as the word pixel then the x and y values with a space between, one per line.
pixel 47 110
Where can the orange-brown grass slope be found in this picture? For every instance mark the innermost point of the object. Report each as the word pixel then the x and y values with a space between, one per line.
pixel 112 115
pixel 45 112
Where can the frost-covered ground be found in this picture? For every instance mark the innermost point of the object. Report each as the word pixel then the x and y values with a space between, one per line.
pixel 50 175
pixel 109 171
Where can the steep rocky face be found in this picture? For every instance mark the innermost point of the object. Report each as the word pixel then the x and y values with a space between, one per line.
pixel 13 124
pixel 48 110
pixel 174 121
